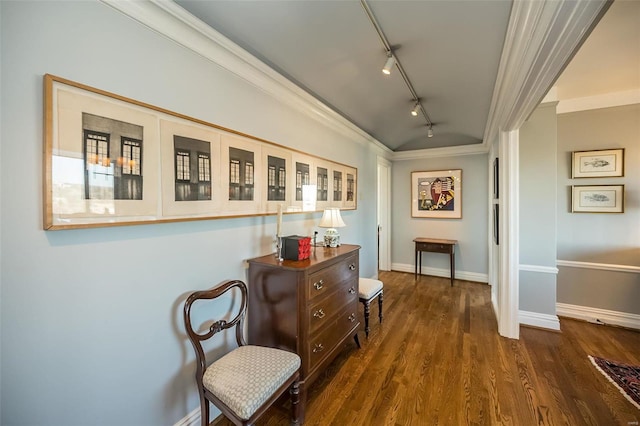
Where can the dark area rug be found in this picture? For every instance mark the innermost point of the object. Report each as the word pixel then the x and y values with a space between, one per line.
pixel 624 376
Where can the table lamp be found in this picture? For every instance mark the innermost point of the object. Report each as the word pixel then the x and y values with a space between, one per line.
pixel 331 219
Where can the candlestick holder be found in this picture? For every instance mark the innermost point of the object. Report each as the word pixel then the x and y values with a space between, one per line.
pixel 279 248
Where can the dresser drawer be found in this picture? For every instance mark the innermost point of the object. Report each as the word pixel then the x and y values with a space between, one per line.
pixel 325 280
pixel 321 345
pixel 434 247
pixel 323 311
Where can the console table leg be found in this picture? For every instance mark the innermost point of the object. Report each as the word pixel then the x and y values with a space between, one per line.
pixel 453 266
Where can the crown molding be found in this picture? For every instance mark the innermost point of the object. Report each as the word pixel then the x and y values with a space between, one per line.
pixel 541 39
pixel 172 21
pixel 607 100
pixel 450 151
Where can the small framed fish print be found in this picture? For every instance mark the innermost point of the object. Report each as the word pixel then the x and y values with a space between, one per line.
pixel 600 163
pixel 597 199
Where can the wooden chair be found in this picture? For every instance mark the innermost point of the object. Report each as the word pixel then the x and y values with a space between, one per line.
pixel 245 382
pixel 369 289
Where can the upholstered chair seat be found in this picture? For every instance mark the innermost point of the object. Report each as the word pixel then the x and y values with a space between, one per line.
pixel 247 377
pixel 369 289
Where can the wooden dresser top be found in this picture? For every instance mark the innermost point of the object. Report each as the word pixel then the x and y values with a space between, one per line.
pixel 318 255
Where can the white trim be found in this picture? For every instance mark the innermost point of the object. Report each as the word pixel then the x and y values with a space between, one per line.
pixel 383 214
pixel 599 266
pixel 598 316
pixel 175 23
pixel 509 249
pixel 191 419
pixel 541 38
pixel 450 151
pixel 440 272
pixel 494 304
pixel 607 100
pixel 552 322
pixel 538 268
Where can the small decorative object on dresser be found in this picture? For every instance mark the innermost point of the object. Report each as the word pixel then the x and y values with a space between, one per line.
pixel 331 219
pixel 305 306
pixel 295 247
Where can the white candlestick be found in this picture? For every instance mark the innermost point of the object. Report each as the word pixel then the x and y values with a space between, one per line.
pixel 279 223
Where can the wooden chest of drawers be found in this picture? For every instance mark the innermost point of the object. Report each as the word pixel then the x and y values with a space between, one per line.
pixel 308 307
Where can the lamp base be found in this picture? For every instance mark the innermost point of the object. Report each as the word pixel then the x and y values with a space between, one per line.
pixel 331 238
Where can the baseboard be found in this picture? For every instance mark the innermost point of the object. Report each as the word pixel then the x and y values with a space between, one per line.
pixel 535 319
pixel 438 272
pixel 191 419
pixel 599 316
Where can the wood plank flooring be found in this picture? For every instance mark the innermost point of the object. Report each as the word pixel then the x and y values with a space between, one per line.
pixel 438 360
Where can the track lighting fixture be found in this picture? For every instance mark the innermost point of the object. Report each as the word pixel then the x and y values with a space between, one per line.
pixel 391 61
pixel 387 65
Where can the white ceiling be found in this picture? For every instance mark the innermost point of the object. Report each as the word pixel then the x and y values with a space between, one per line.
pixel 449 49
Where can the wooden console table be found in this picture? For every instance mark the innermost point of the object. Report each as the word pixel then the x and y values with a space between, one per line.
pixel 435 246
pixel 309 307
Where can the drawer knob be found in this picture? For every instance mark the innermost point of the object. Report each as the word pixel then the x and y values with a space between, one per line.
pixel 318 348
pixel 352 267
pixel 318 285
pixel 352 290
pixel 352 317
pixel 319 314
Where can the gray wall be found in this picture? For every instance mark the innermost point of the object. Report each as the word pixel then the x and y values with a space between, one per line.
pixel 595 237
pixel 470 231
pixel 538 211
pixel 91 323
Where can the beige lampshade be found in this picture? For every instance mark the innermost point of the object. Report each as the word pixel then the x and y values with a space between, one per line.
pixel 331 219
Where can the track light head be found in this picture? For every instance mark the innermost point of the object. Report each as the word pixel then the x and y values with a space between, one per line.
pixel 415 109
pixel 387 65
pixel 430 132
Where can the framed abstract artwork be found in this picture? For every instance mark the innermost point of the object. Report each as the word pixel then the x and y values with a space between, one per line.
pixel 436 194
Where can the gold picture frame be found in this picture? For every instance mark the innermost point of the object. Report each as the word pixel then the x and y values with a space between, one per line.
pixel 110 161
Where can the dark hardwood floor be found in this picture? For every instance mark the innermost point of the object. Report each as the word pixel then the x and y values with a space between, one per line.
pixel 438 360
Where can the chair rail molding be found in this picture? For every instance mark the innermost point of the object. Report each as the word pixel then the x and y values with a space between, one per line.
pixel 174 22
pixel 599 266
pixel 538 268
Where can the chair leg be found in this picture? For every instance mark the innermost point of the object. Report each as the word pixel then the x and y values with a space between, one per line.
pixel 204 411
pixel 357 340
pixel 366 318
pixel 380 307
pixel 294 393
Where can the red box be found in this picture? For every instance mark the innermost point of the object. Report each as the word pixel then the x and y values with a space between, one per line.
pixel 295 247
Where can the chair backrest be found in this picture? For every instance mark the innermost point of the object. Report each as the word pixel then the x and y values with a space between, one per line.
pixel 237 321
